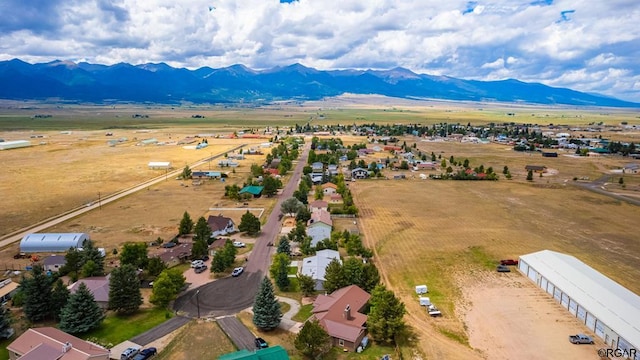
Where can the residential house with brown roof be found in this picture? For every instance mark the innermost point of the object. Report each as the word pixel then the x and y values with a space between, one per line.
pixel 318 205
pixel 175 255
pixel 48 343
pixel 340 315
pixel 98 286
pixel 221 225
pixel 329 188
pixel 336 199
pixel 319 226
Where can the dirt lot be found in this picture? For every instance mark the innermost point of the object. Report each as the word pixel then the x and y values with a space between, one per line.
pixel 447 233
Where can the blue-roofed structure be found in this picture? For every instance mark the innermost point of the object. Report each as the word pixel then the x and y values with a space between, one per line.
pixel 52 242
pixel 271 353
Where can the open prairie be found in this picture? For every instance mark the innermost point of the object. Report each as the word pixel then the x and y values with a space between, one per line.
pixel 451 234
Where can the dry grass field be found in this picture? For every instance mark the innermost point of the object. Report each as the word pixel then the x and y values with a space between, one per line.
pixel 197 340
pixel 444 233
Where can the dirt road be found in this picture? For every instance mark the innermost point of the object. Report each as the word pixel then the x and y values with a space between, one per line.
pixel 232 294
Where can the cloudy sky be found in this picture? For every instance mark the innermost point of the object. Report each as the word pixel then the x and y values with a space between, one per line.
pixel 587 45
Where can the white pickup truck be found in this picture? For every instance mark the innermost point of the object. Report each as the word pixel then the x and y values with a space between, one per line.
pixel 580 339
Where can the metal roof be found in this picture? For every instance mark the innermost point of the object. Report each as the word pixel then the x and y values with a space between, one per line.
pixel 604 298
pixel 52 242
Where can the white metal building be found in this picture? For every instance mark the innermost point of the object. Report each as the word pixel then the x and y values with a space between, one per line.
pixel 154 165
pixel 607 308
pixel 52 242
pixel 6 145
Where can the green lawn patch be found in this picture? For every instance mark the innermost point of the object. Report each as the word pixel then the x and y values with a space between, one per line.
pixel 304 313
pixel 293 270
pixel 284 307
pixel 117 328
pixel 4 353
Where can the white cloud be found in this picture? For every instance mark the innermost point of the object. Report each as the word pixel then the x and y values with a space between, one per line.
pixel 594 50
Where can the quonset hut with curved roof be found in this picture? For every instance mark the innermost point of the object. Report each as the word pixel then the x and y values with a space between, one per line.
pixel 52 242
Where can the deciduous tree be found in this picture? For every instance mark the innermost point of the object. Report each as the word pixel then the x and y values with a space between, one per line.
pixel 134 254
pixel 279 271
pixel 307 284
pixel 249 223
pixel 166 287
pixel 312 340
pixel 291 206
pixel 385 319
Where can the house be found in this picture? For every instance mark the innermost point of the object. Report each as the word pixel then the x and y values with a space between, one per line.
pixel 332 169
pixel 98 286
pixel 271 353
pixel 329 188
pixel 254 190
pixel 206 175
pixel 318 205
pixel 221 225
pixel 359 173
pixel 274 163
pixel 51 343
pixel 316 178
pixel 319 226
pixel 177 254
pixel 536 168
pixel 317 167
pixel 336 199
pixel 631 168
pixel 54 262
pixel 340 315
pixel 7 289
pixel 216 245
pixel 273 172
pixel 425 166
pixel 227 163
pixel 316 266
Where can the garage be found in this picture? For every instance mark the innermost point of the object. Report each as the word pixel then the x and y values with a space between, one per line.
pixel 603 305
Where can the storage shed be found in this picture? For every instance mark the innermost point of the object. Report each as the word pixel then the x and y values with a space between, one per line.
pixel 607 308
pixel 154 165
pixel 52 242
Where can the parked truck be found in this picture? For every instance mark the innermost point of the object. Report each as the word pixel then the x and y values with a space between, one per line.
pixel 580 339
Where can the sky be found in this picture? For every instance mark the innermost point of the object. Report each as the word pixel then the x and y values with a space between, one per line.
pixel 586 45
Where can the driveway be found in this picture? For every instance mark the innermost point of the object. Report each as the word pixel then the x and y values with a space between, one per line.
pixel 230 295
pixel 161 330
pixel 240 336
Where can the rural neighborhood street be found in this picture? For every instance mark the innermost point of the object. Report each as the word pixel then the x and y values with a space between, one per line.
pixel 230 295
pixel 55 220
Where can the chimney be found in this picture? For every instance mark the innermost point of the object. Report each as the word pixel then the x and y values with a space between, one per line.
pixel 66 347
pixel 347 312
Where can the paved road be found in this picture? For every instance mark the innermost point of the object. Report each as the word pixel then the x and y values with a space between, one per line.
pixel 230 295
pixel 47 223
pixel 597 186
pixel 160 330
pixel 241 337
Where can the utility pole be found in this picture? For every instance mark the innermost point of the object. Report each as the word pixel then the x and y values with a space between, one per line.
pixel 198 302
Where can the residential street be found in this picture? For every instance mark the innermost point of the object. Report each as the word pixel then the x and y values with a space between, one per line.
pixel 230 295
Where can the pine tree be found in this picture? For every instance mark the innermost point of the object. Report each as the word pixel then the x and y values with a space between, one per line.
pixel 385 319
pixel 59 297
pixel 334 277
pixel 5 320
pixel 202 230
pixel 530 175
pixel 284 247
pixel 155 266
pixel 124 290
pixel 92 253
pixel 266 308
pixel 312 340
pixel 37 292
pixel 186 224
pixel 82 313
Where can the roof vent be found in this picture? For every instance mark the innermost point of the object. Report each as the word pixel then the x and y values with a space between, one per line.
pixel 66 347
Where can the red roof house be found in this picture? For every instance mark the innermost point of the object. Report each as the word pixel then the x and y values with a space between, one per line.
pixel 339 314
pixel 51 343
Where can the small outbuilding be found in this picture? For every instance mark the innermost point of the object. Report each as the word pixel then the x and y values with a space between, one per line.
pixel 254 190
pixel 6 145
pixel 52 242
pixel 159 165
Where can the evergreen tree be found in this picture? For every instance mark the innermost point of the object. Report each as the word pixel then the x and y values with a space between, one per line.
pixel 90 269
pixel 202 230
pixel 124 290
pixel 134 254
pixel 307 284
pixel 385 319
pixel 284 247
pixel 73 263
pixel 186 173
pixel 59 297
pixel 279 271
pixel 318 193
pixel 249 223
pixel 312 340
pixel 303 215
pixel 229 253
pixel 370 277
pixel 218 264
pixel 334 277
pixel 81 313
pixel 37 292
pixel 199 249
pixel 530 175
pixel 266 308
pixel 5 320
pixel 92 253
pixel 186 224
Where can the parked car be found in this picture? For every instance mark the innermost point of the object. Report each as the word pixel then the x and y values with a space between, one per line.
pixel 237 271
pixel 509 262
pixel 580 339
pixel 197 263
pixel 503 268
pixel 239 244
pixel 200 269
pixel 261 344
pixel 129 353
pixel 146 353
pixel 433 311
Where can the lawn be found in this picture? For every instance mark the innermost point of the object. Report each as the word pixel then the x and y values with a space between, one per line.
pixel 304 313
pixel 292 270
pixel 116 329
pixel 4 353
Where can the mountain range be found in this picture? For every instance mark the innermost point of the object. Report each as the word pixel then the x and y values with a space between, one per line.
pixel 161 83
